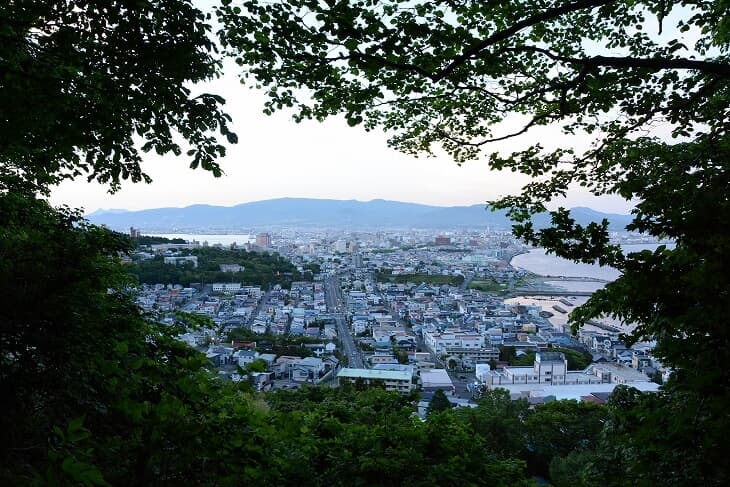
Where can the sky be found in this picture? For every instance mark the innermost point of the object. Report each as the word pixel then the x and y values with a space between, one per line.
pixel 276 157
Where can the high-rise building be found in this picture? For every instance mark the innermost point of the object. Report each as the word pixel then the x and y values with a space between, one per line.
pixel 263 240
pixel 341 246
pixel 443 240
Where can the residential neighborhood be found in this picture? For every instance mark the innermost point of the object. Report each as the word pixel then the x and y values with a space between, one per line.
pixel 408 312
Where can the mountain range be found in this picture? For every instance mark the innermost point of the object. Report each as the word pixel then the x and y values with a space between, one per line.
pixel 323 213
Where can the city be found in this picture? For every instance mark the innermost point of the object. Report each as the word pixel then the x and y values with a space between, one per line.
pixel 406 311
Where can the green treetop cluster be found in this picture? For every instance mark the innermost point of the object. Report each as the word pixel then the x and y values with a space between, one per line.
pixel 93 392
pixel 259 268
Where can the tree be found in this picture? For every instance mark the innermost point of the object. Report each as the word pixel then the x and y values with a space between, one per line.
pixel 92 390
pixel 646 83
pixel 559 428
pixel 439 402
pixel 83 82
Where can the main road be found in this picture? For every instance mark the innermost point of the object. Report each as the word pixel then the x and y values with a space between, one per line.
pixel 333 297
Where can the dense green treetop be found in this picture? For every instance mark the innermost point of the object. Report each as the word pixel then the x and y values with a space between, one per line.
pixel 87 86
pixel 639 91
pixel 259 268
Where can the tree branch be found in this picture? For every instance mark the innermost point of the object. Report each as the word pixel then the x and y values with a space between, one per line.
pixel 509 32
pixel 654 64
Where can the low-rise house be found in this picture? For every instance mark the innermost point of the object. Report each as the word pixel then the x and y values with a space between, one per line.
pixel 283 365
pixel 308 369
pixel 245 357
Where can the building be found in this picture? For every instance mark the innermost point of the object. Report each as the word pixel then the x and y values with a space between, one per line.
pixel 340 246
pixel 443 240
pixel 465 345
pixel 441 343
pixel 263 240
pixel 551 368
pixel 308 369
pixel 182 260
pixel 226 287
pixel 436 379
pixel 231 268
pixel 392 380
pixel 548 368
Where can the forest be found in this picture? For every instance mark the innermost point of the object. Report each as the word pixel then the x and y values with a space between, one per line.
pixel 259 268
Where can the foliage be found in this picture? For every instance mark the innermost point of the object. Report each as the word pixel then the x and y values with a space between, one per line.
pixel 313 267
pixel 370 438
pixel 292 345
pixel 145 240
pixel 257 365
pixel 262 269
pixel 576 360
pixel 439 402
pixel 488 286
pixel 73 344
pixel 642 113
pixel 83 82
pixel 560 428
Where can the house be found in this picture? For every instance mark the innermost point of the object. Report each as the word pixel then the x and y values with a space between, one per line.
pixel 245 357
pixel 261 381
pixel 283 365
pixel 309 369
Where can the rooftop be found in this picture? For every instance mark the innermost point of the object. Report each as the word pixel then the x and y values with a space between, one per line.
pixel 374 374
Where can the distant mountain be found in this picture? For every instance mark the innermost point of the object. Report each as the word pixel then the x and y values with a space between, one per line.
pixel 322 213
pixel 111 211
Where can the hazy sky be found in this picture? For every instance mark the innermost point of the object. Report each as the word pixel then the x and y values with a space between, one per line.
pixel 276 157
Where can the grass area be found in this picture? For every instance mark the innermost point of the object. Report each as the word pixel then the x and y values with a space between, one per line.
pixel 488 286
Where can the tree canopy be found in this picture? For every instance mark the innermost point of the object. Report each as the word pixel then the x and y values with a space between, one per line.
pixel 88 86
pixel 638 92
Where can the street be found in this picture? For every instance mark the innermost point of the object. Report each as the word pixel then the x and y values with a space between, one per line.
pixel 333 297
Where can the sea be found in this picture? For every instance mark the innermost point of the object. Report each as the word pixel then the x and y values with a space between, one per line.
pixel 539 262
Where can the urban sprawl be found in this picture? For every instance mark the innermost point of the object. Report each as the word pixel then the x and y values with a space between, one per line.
pixel 408 312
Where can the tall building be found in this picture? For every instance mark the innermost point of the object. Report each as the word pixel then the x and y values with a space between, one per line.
pixel 134 232
pixel 443 240
pixel 263 240
pixel 341 246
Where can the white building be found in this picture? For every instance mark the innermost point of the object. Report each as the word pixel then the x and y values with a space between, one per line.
pixel 340 246
pixel 466 345
pixel 182 260
pixel 551 368
pixel 226 287
pixel 441 343
pixel 392 380
pixel 435 379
